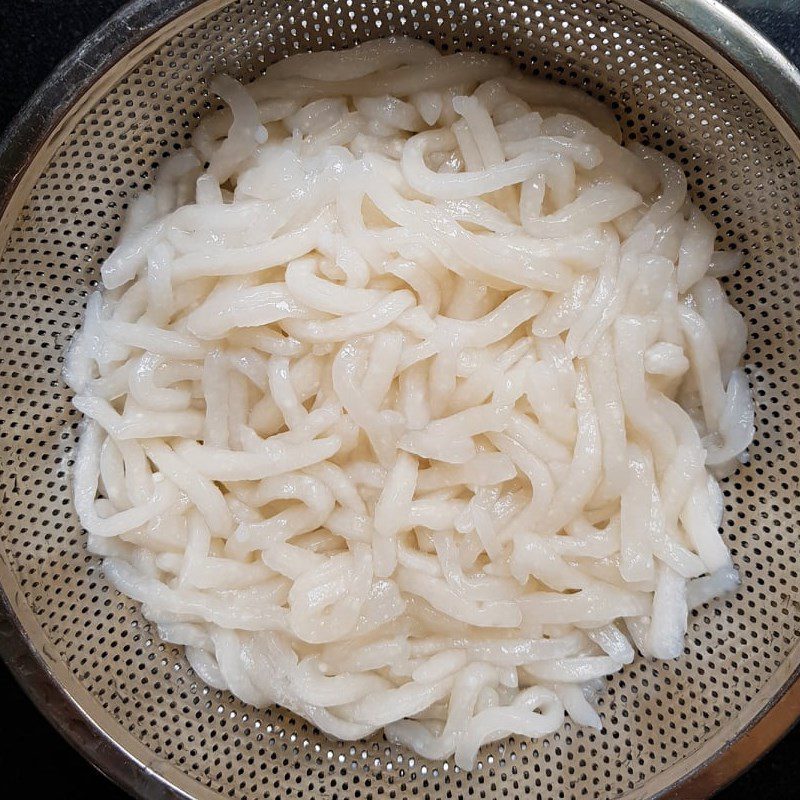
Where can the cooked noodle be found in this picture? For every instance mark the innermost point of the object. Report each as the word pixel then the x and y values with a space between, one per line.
pixel 407 397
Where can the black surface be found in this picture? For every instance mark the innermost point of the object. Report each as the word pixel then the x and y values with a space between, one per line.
pixel 34 36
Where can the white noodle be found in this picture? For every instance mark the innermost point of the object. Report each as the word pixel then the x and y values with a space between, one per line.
pixel 383 407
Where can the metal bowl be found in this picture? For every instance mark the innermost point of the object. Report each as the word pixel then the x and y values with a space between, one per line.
pixel 690 78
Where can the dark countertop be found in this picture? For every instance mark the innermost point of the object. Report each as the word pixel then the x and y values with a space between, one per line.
pixel 34 36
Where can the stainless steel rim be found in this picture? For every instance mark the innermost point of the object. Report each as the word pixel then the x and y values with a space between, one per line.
pixel 718 33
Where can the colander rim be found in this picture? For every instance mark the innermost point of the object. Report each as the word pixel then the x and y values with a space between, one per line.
pixel 752 56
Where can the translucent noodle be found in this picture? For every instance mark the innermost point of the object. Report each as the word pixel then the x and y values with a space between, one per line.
pixel 407 409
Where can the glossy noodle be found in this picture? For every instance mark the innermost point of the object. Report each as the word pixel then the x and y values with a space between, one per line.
pixel 406 399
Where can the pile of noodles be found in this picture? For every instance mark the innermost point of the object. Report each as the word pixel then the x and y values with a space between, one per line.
pixel 405 398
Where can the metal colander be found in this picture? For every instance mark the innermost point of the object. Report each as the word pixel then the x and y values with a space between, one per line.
pixel 95 136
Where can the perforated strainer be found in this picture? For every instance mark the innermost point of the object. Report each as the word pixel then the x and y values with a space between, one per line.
pixel 688 78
